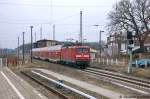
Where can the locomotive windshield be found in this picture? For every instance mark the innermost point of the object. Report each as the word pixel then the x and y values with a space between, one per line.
pixel 82 50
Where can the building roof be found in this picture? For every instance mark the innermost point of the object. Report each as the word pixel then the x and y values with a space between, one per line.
pixel 43 40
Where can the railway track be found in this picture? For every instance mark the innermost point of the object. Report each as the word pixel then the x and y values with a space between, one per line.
pixel 140 85
pixel 44 84
pixel 59 90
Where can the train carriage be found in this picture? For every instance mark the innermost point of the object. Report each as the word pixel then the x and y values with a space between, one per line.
pixel 54 53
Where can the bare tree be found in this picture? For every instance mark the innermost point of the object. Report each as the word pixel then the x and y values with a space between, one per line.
pixel 131 16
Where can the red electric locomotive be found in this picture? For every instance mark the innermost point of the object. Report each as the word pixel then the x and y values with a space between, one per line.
pixel 74 55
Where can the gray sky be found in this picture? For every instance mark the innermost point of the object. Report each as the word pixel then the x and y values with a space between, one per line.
pixel 17 15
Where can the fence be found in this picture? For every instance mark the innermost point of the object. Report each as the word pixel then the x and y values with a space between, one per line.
pixel 3 61
pixel 12 61
pixel 108 61
pixel 123 62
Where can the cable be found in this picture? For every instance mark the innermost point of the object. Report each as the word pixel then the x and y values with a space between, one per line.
pixel 82 5
pixel 38 5
pixel 58 20
pixel 66 17
pixel 36 23
pixel 16 4
pixel 4 22
pixel 86 25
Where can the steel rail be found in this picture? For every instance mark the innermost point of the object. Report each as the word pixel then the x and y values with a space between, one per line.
pixel 65 86
pixel 121 78
pixel 121 75
pixel 46 86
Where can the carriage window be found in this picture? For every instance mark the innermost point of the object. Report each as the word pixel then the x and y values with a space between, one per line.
pixel 82 50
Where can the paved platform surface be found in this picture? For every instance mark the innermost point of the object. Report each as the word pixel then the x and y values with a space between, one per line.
pixel 105 92
pixel 13 87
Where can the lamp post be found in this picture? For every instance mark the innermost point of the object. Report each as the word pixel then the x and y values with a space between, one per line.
pixel 23 61
pixel 53 31
pixel 100 45
pixel 84 41
pixel 18 51
pixel 31 42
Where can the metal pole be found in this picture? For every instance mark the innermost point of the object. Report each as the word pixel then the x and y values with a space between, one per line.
pixel 130 62
pixel 41 32
pixel 35 36
pixel 112 48
pixel 1 62
pixel 18 50
pixel 51 15
pixel 51 9
pixel 23 51
pixel 53 31
pixel 81 27
pixel 31 42
pixel 100 44
pixel 84 41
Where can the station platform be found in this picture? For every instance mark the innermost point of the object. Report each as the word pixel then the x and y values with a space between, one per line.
pixel 14 87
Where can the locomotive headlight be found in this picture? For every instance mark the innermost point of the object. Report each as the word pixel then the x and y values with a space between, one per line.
pixel 86 56
pixel 78 56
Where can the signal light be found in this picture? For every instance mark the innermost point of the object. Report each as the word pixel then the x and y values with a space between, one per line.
pixel 129 35
pixel 130 42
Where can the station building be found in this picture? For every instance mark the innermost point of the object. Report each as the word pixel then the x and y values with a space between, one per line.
pixel 45 43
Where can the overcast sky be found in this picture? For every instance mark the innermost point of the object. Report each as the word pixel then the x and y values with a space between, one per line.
pixel 16 16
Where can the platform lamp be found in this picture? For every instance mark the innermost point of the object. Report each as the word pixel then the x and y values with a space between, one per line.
pixel 100 45
pixel 31 41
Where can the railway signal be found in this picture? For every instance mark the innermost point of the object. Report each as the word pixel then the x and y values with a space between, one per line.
pixel 129 35
pixel 130 46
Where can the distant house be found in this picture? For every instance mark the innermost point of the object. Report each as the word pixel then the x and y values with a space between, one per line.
pixel 117 44
pixel 45 43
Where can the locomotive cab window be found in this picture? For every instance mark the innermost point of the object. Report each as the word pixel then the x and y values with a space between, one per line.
pixel 82 50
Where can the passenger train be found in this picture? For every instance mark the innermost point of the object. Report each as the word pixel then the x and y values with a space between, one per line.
pixel 71 54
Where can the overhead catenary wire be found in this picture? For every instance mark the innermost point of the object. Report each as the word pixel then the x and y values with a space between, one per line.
pixel 46 5
pixel 23 23
pixel 65 18
pixel 55 21
pixel 48 22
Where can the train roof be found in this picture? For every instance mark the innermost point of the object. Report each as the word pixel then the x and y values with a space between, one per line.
pixel 58 47
pixel 40 49
pixel 50 48
pixel 81 46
